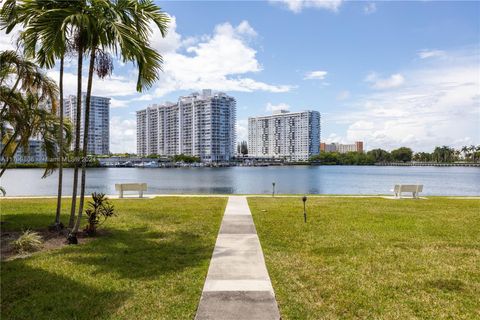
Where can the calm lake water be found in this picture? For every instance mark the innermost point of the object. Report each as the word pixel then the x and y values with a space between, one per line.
pixel 256 180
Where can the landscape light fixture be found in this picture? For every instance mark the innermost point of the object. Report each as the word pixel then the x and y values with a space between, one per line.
pixel 304 199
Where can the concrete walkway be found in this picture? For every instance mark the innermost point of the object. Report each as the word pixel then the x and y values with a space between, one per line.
pixel 237 284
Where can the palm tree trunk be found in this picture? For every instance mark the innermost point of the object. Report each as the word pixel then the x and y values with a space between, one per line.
pixel 60 150
pixel 85 142
pixel 77 134
pixel 5 165
pixel 4 108
pixel 10 140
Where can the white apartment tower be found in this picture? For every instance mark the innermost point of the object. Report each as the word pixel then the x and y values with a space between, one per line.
pixel 99 126
pixel 290 135
pixel 201 125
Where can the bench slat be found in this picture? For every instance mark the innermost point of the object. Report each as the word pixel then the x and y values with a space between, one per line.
pixel 413 188
pixel 140 187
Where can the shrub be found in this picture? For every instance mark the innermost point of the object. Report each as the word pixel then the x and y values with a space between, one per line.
pixel 29 241
pixel 100 209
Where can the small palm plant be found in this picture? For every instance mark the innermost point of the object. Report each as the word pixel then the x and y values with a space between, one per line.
pixel 29 241
pixel 99 210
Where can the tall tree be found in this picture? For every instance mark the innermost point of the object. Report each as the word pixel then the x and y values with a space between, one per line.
pixel 473 150
pixel 123 28
pixel 402 154
pixel 465 150
pixel 379 155
pixel 244 147
pixel 45 38
pixel 78 116
pixel 24 108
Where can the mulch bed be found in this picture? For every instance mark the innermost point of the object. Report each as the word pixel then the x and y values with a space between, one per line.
pixel 51 240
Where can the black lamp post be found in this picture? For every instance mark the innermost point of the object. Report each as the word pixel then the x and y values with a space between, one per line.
pixel 273 189
pixel 304 199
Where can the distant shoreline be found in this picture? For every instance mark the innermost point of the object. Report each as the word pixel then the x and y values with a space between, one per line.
pixel 223 165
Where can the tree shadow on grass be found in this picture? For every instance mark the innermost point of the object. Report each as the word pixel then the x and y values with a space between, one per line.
pixel 31 293
pixel 142 253
pixel 447 285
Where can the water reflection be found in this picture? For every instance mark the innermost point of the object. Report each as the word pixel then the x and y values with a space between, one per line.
pixel 258 180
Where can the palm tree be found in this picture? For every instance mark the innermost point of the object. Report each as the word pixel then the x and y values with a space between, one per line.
pixel 28 118
pixel 26 76
pixel 457 155
pixel 44 42
pixel 472 149
pixel 56 20
pixel 465 152
pixel 122 28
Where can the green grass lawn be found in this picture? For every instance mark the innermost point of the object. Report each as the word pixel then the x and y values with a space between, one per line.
pixel 151 264
pixel 372 258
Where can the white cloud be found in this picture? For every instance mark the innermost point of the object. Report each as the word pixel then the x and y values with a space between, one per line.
pixel 242 130
pixel 370 8
pixel 333 138
pixel 171 41
pixel 122 135
pixel 8 41
pixel 218 61
pixel 114 86
pixel 315 75
pixel 245 28
pixel 276 107
pixel 297 6
pixel 439 106
pixel 115 103
pixel 395 80
pixel 343 95
pixel 426 53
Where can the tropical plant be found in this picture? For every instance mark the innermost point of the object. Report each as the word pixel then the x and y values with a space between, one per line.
pixel 349 158
pixel 19 76
pixel 443 154
pixel 242 148
pixel 45 53
pixel 122 28
pixel 422 156
pixel 473 152
pixel 32 120
pixel 465 150
pixel 380 155
pixel 185 158
pixel 29 100
pixel 402 154
pixel 29 241
pixel 99 210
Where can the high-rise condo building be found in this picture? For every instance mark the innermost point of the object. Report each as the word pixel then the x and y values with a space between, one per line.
pixel 34 153
pixel 342 148
pixel 99 122
pixel 201 125
pixel 289 135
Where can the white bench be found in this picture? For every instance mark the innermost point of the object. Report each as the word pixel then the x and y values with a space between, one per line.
pixel 140 187
pixel 415 189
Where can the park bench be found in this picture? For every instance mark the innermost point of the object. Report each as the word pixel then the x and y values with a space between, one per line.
pixel 415 189
pixel 140 187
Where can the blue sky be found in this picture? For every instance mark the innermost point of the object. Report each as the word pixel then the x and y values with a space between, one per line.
pixel 389 73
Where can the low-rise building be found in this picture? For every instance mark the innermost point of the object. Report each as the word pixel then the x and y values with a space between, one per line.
pixel 342 148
